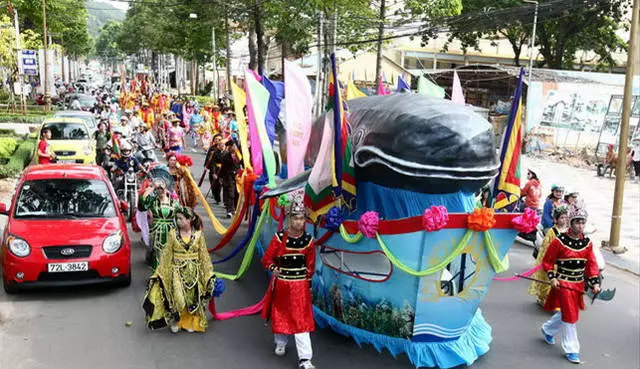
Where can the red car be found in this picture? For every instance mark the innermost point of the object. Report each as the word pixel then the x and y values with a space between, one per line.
pixel 66 226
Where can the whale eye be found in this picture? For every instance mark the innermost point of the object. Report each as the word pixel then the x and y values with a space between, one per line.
pixel 358 136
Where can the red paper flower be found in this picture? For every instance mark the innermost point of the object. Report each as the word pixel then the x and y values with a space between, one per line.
pixel 185 160
pixel 369 223
pixel 481 220
pixel 526 222
pixel 435 218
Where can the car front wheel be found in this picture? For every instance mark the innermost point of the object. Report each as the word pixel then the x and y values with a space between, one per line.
pixel 9 288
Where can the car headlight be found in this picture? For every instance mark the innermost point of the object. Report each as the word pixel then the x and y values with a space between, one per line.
pixel 112 243
pixel 18 246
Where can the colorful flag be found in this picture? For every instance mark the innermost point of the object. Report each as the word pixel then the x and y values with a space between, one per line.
pixel 457 96
pixel 353 92
pixel 298 116
pixel 382 90
pixel 507 185
pixel 425 87
pixel 254 137
pixel 258 98
pixel 333 176
pixel 276 94
pixel 240 101
pixel 402 84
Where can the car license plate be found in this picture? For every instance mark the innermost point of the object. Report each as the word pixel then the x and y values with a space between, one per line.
pixel 72 161
pixel 68 267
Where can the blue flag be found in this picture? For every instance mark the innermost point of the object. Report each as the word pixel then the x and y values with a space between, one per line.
pixel 276 93
pixel 402 84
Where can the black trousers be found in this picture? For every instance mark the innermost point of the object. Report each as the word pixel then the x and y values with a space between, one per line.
pixel 229 193
pixel 636 167
pixel 216 187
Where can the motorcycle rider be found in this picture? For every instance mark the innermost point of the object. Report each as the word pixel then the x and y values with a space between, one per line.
pixel 124 163
pixel 146 142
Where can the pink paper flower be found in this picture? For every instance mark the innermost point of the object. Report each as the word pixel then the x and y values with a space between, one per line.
pixel 369 223
pixel 435 218
pixel 526 222
pixel 174 195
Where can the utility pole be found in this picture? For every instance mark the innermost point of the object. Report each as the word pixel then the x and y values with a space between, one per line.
pixel 531 46
pixel 383 10
pixel 618 197
pixel 19 77
pixel 47 95
pixel 214 87
pixel 259 37
pixel 319 70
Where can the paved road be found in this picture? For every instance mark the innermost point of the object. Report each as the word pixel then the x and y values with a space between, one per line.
pixel 85 328
pixel 597 193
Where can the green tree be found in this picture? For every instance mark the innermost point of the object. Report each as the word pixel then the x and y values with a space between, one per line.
pixel 107 48
pixel 66 22
pixel 589 27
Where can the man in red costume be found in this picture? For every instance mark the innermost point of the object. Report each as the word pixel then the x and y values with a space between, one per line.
pixel 568 261
pixel 291 258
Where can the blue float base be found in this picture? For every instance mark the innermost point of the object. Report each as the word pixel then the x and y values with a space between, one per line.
pixel 465 350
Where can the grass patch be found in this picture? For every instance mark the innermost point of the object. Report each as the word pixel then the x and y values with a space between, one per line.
pixel 31 117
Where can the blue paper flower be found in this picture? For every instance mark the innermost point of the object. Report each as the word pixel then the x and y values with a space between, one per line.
pixel 218 287
pixel 333 219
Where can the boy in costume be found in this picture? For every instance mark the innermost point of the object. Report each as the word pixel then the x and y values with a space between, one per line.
pixel 568 262
pixel 291 258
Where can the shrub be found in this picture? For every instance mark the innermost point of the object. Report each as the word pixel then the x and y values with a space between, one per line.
pixel 7 147
pixel 19 160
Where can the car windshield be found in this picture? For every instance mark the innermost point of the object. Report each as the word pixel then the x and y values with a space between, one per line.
pixel 67 131
pixel 85 118
pixel 65 199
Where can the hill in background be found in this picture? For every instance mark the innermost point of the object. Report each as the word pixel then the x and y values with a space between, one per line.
pixel 100 13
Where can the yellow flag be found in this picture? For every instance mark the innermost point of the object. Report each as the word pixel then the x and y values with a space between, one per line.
pixel 353 92
pixel 240 101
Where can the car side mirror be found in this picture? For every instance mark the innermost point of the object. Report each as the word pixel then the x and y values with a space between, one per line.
pixel 124 206
pixel 3 209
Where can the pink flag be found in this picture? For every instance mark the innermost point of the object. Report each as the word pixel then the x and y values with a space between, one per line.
pixel 254 138
pixel 298 116
pixel 382 90
pixel 456 94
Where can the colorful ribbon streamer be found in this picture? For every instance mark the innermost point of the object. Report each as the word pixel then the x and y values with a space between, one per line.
pixel 528 273
pixel 248 255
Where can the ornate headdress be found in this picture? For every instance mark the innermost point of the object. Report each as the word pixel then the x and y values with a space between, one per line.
pixel 578 213
pixel 296 205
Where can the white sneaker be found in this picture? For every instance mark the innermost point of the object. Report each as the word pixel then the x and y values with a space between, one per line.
pixel 190 330
pixel 280 350
pixel 306 364
pixel 174 328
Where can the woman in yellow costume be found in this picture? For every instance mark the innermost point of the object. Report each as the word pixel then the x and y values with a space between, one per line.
pixel 182 285
pixel 561 220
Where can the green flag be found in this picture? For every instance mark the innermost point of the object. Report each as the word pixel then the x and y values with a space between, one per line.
pixel 425 87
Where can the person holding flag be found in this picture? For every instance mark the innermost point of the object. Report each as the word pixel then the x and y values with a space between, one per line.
pixel 291 258
pixel 568 262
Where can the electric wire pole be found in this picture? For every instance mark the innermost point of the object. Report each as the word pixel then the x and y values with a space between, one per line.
pixel 618 197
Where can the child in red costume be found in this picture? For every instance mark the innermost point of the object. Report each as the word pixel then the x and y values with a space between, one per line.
pixel 569 260
pixel 291 258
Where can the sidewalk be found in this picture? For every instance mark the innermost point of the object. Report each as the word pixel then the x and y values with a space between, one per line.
pixel 597 193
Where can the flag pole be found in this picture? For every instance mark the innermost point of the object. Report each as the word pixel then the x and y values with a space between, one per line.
pixel 618 197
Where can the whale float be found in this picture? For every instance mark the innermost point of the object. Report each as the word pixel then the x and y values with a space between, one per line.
pixel 414 284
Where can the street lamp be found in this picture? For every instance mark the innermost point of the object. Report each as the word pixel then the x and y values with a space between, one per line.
pixel 533 37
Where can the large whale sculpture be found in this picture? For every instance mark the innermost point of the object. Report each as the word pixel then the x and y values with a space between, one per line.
pixel 413 287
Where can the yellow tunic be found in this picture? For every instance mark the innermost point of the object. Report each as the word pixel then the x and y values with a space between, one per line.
pixel 541 291
pixel 182 284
